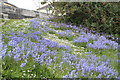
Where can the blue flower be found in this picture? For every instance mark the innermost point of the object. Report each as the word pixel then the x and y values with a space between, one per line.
pixel 37 32
pixel 118 61
pixel 24 56
pixel 35 37
pixel 81 39
pixel 97 45
pixel 102 38
pixel 48 61
pixel 104 56
pixel 65 76
pixel 76 75
pixel 13 33
pixel 12 43
pixel 54 59
pixel 23 64
pixel 18 49
pixel 16 57
pixel 71 74
pixel 118 54
pixel 9 53
pixel 17 39
pixel 84 75
pixel 118 77
pixel 99 76
pixel 3 52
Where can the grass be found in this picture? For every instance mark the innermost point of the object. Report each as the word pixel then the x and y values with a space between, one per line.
pixel 35 70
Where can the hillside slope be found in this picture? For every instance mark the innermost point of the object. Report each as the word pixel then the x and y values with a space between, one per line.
pixel 39 48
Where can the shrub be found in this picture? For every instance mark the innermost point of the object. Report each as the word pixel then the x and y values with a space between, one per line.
pixel 100 16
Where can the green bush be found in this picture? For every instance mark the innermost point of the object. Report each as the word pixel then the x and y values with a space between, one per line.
pixel 100 16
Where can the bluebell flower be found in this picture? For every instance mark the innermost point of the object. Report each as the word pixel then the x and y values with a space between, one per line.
pixel 76 75
pixel 118 54
pixel 84 75
pixel 54 52
pixel 71 74
pixel 65 76
pixel 18 49
pixel 17 39
pixel 118 61
pixel 54 59
pixel 101 68
pixel 3 52
pixel 78 66
pixel 37 59
pixel 12 43
pixel 66 33
pixel 23 64
pixel 13 34
pixel 65 59
pixel 23 47
pixel 76 31
pixel 81 39
pixel 92 67
pixel 35 37
pixel 48 61
pixel 118 77
pixel 97 45
pixel 102 38
pixel 37 32
pixel 24 56
pixel 54 67
pixel 93 57
pixel 91 36
pixel 99 76
pixel 66 47
pixel 16 57
pixel 1 45
pixel 35 23
pixel 104 56
pixel 60 66
pixel 9 53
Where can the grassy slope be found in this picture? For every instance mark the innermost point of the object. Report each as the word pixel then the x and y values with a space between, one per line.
pixel 22 26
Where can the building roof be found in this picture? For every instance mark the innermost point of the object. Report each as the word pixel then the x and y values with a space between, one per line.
pixel 10 4
pixel 43 6
pixel 46 5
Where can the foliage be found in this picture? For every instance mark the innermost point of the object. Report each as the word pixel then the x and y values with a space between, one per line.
pixel 100 16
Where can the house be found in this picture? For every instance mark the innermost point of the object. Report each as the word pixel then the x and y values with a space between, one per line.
pixel 44 7
pixel 7 9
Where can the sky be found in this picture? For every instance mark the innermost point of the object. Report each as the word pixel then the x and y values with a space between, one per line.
pixel 26 4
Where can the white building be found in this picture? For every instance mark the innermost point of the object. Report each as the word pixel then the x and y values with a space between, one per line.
pixel 44 8
pixel 1 3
